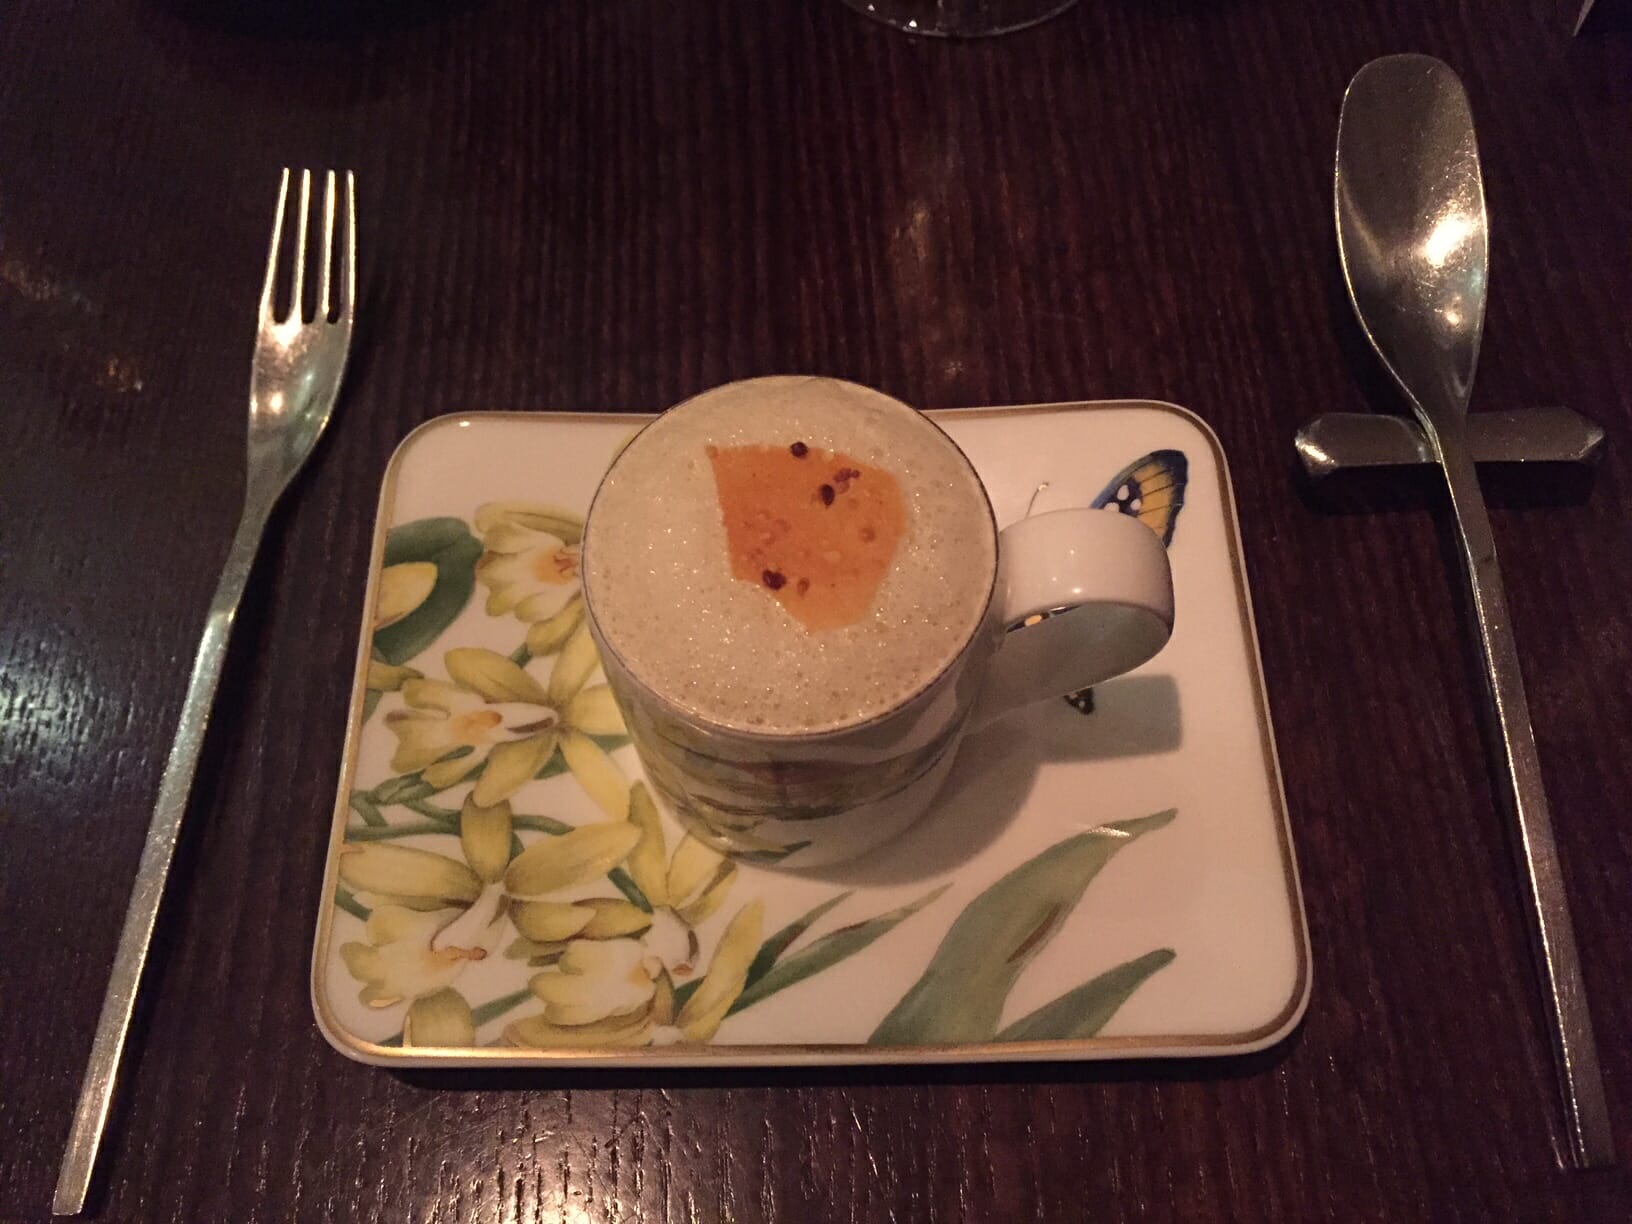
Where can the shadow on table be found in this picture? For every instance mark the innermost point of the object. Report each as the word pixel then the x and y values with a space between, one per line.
pixel 997 767
pixel 308 53
pixel 1506 486
pixel 1179 9
pixel 1119 1071
pixel 336 20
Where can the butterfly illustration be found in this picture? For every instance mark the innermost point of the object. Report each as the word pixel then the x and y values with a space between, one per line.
pixel 1151 490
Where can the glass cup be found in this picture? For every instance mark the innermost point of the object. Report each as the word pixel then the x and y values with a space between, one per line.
pixel 1059 601
pixel 960 18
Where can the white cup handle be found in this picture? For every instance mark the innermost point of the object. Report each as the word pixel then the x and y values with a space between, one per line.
pixel 1101 582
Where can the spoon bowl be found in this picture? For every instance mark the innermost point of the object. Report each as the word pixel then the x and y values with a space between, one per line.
pixel 1411 227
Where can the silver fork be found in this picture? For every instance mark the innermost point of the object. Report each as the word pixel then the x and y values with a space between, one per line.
pixel 292 387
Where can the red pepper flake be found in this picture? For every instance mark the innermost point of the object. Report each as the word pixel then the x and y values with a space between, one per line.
pixel 773 579
pixel 827 494
pixel 804 586
pixel 799 450
pixel 868 535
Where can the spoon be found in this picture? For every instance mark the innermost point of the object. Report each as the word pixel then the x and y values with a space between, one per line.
pixel 1415 246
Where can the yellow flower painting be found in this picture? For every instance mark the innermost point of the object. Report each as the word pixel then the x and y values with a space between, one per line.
pixel 619 929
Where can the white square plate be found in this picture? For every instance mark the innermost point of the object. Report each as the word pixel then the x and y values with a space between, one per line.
pixel 1036 913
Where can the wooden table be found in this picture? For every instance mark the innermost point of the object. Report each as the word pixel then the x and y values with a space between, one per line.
pixel 610 204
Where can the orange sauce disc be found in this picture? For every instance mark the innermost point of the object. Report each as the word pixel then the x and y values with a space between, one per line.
pixel 815 529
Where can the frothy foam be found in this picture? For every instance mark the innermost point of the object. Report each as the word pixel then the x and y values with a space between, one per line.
pixel 659 581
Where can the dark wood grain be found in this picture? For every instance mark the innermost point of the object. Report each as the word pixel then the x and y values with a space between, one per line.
pixel 610 204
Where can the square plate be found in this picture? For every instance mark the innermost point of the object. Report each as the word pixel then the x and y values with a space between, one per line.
pixel 1110 877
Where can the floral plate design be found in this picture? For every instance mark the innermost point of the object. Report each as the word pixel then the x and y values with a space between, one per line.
pixel 1107 876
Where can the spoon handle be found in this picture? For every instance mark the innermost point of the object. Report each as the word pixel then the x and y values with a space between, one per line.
pixel 141 916
pixel 1553 936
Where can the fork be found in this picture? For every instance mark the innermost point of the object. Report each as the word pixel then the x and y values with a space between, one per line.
pixel 293 382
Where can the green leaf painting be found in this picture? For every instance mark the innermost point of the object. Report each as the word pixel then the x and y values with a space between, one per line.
pixel 960 997
pixel 829 950
pixel 1084 1011
pixel 771 971
pixel 779 943
pixel 447 544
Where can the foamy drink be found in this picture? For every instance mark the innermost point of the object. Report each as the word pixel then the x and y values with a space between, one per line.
pixel 789 555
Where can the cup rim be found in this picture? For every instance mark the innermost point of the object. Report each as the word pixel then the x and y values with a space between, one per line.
pixel 715 726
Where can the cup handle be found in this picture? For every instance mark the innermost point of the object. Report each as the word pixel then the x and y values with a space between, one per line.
pixel 1101 583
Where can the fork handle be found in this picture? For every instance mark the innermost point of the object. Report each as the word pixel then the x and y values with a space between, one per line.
pixel 1552 934
pixel 102 1070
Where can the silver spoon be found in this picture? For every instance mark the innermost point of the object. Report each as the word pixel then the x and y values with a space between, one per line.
pixel 1414 242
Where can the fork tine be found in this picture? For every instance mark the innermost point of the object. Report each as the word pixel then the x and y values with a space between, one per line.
pixel 349 252
pixel 297 309
pixel 272 258
pixel 328 247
